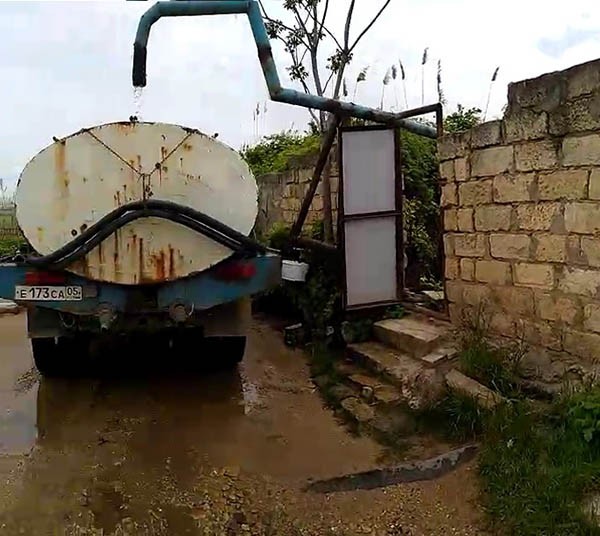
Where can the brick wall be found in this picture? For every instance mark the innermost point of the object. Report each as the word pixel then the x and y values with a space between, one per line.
pixel 521 200
pixel 281 195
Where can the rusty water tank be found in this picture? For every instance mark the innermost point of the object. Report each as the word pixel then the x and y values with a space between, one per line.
pixel 75 181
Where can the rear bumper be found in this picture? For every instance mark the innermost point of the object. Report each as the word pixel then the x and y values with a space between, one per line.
pixel 202 291
pixel 226 320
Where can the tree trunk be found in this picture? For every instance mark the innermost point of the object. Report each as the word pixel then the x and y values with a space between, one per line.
pixel 327 212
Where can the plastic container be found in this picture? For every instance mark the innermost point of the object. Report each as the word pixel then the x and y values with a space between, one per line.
pixel 294 270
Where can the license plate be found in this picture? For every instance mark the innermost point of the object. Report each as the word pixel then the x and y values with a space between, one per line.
pixel 48 293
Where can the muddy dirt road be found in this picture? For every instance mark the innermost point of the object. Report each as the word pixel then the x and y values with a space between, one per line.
pixel 195 453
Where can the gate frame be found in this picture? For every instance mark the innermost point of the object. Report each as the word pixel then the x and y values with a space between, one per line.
pixel 397 213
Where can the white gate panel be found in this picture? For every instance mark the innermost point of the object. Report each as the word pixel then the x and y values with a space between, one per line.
pixel 371 216
pixel 370 257
pixel 368 171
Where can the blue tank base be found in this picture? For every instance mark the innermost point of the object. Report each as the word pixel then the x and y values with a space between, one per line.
pixel 94 306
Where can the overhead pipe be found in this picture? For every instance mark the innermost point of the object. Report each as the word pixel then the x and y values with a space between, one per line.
pixel 176 8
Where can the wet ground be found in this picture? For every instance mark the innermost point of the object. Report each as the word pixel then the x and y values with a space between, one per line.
pixel 196 452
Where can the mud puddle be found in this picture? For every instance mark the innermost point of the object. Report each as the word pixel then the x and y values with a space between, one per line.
pixel 147 446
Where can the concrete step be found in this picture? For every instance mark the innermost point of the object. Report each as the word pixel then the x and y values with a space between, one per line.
pixel 441 358
pixel 417 383
pixel 375 389
pixel 413 335
pixel 466 386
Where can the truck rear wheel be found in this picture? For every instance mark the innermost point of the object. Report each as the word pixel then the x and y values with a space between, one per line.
pixel 214 352
pixel 58 356
pixel 225 351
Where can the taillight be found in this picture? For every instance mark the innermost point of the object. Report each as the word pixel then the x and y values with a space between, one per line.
pixel 233 271
pixel 38 277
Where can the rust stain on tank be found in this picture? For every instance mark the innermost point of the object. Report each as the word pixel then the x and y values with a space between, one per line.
pixel 60 168
pixel 100 260
pixel 171 262
pixel 159 261
pixel 117 198
pixel 125 127
pixel 141 259
pixel 83 265
pixel 187 147
pixel 163 153
pixel 139 162
pixel 117 236
pixel 132 173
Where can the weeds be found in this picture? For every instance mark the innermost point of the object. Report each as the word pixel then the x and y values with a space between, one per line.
pixel 456 417
pixel 493 365
pixel 359 330
pixel 395 311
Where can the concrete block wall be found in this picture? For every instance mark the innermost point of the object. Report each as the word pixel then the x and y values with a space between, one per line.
pixel 281 195
pixel 521 201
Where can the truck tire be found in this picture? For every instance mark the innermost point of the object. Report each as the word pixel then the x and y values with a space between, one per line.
pixel 225 352
pixel 55 357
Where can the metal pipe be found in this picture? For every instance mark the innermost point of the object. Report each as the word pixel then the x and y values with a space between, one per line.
pixel 263 45
pixel 311 243
pixel 175 9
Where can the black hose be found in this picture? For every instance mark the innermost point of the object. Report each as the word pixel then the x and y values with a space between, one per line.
pixel 116 219
pixel 113 226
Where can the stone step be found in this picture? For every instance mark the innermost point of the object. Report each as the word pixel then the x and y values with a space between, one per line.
pixel 375 389
pixel 442 357
pixel 412 335
pixel 466 386
pixel 360 411
pixel 417 383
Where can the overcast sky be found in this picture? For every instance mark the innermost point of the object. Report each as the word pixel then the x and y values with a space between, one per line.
pixel 67 65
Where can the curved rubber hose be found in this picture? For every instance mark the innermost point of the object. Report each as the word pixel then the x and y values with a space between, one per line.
pixel 142 209
pixel 113 226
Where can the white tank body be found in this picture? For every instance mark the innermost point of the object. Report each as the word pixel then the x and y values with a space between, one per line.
pixel 72 183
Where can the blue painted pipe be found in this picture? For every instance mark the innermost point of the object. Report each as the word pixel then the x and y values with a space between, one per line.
pixel 265 54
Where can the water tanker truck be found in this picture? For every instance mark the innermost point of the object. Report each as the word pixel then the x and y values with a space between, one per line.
pixel 137 227
pixel 144 227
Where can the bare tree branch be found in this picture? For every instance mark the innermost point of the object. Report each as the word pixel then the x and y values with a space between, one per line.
pixel 325 13
pixel 327 30
pixel 280 23
pixel 345 52
pixel 369 26
pixel 295 63
pixel 347 25
pixel 328 81
pixel 303 26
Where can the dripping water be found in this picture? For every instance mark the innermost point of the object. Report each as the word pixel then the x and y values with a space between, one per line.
pixel 138 93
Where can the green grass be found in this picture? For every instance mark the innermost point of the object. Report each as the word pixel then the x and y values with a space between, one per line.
pixel 9 245
pixel 538 462
pixel 536 468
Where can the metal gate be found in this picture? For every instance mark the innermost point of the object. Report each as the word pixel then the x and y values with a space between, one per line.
pixel 370 216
